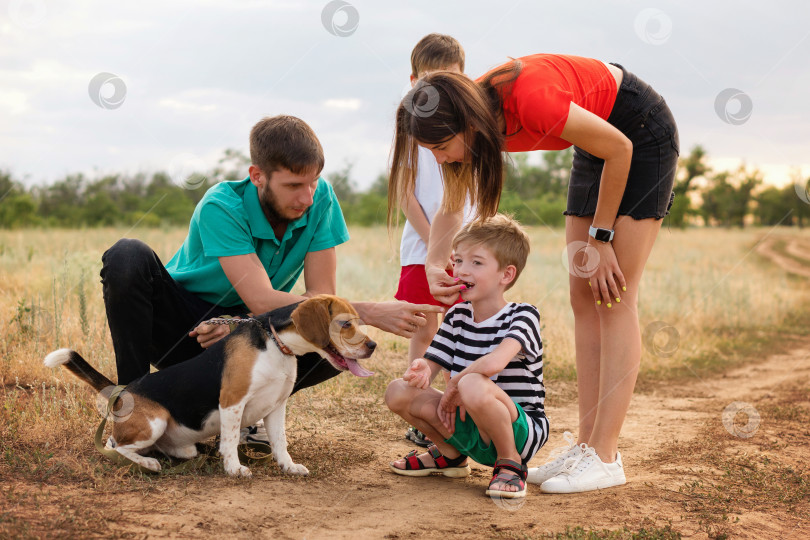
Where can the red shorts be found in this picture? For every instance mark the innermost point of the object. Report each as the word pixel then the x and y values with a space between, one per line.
pixel 413 286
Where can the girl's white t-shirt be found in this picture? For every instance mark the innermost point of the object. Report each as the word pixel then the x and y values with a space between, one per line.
pixel 428 191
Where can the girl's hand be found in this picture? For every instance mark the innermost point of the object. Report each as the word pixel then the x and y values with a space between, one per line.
pixel 442 286
pixel 607 281
pixel 418 374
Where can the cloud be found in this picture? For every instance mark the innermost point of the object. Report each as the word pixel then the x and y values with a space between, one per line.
pixel 192 101
pixel 343 104
pixel 14 102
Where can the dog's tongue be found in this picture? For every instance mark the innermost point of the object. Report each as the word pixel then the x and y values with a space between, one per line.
pixel 357 369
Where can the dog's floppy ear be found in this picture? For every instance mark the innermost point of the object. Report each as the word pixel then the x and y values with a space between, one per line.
pixel 312 318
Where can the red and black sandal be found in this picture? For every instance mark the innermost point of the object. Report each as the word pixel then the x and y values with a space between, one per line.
pixel 517 478
pixel 446 466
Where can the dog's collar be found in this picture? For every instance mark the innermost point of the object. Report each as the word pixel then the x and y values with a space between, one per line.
pixel 280 344
pixel 233 322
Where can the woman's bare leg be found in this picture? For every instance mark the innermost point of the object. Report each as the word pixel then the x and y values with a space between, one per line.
pixel 587 338
pixel 606 381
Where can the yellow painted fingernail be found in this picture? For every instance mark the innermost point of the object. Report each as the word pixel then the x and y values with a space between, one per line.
pixel 624 289
pixel 618 299
pixel 598 302
pixel 589 283
pixel 609 304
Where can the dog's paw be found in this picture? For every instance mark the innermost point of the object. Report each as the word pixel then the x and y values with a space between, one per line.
pixel 184 452
pixel 238 470
pixel 150 463
pixel 296 469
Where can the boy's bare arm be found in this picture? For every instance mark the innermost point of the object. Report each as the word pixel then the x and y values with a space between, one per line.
pixel 492 363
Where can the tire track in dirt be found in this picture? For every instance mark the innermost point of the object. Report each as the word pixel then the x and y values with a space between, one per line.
pixel 799 248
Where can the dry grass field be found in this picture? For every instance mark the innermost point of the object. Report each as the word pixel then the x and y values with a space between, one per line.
pixel 724 323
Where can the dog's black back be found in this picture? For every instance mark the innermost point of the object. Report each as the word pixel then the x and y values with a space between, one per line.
pixel 190 390
pixel 200 378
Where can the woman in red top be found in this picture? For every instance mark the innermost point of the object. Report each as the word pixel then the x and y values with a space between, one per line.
pixel 625 155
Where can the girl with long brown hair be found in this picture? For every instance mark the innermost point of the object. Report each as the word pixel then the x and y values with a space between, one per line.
pixel 625 154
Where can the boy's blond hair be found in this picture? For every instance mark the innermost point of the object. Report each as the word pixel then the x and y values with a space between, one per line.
pixel 503 236
pixel 434 52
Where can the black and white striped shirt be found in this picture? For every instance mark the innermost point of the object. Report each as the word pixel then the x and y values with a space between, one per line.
pixel 460 341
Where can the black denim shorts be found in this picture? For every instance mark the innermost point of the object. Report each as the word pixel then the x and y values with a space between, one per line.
pixel 644 117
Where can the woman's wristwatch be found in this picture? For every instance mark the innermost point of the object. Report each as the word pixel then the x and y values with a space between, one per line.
pixel 601 235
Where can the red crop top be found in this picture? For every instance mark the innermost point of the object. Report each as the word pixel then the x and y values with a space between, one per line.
pixel 536 107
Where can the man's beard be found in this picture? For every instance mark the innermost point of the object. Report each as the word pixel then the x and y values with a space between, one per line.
pixel 269 204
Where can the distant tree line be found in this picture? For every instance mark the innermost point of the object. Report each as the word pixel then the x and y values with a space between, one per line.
pixel 534 193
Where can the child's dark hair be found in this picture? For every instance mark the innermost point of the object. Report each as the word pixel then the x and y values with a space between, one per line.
pixel 436 51
pixel 503 236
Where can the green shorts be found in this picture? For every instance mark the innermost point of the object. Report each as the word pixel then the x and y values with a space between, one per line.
pixel 467 438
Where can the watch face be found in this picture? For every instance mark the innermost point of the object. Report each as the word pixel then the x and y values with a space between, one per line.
pixel 603 235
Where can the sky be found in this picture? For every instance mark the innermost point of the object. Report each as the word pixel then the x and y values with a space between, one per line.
pixel 98 87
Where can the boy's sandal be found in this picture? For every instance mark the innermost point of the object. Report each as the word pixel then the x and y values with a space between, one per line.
pixel 518 479
pixel 417 437
pixel 446 466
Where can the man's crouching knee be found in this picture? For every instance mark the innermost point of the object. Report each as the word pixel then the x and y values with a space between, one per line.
pixel 125 262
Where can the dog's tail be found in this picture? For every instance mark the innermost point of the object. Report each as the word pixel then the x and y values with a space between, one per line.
pixel 77 365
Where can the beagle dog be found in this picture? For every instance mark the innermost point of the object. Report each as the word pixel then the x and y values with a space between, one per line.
pixel 243 378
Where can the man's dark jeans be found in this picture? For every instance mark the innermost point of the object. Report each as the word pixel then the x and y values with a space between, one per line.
pixel 150 316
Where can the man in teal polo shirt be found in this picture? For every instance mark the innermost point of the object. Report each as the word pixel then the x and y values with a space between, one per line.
pixel 229 221
pixel 247 244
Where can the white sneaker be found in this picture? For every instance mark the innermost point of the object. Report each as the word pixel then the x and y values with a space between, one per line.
pixel 586 472
pixel 557 458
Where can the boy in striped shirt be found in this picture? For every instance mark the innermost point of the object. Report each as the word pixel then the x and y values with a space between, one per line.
pixel 492 408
